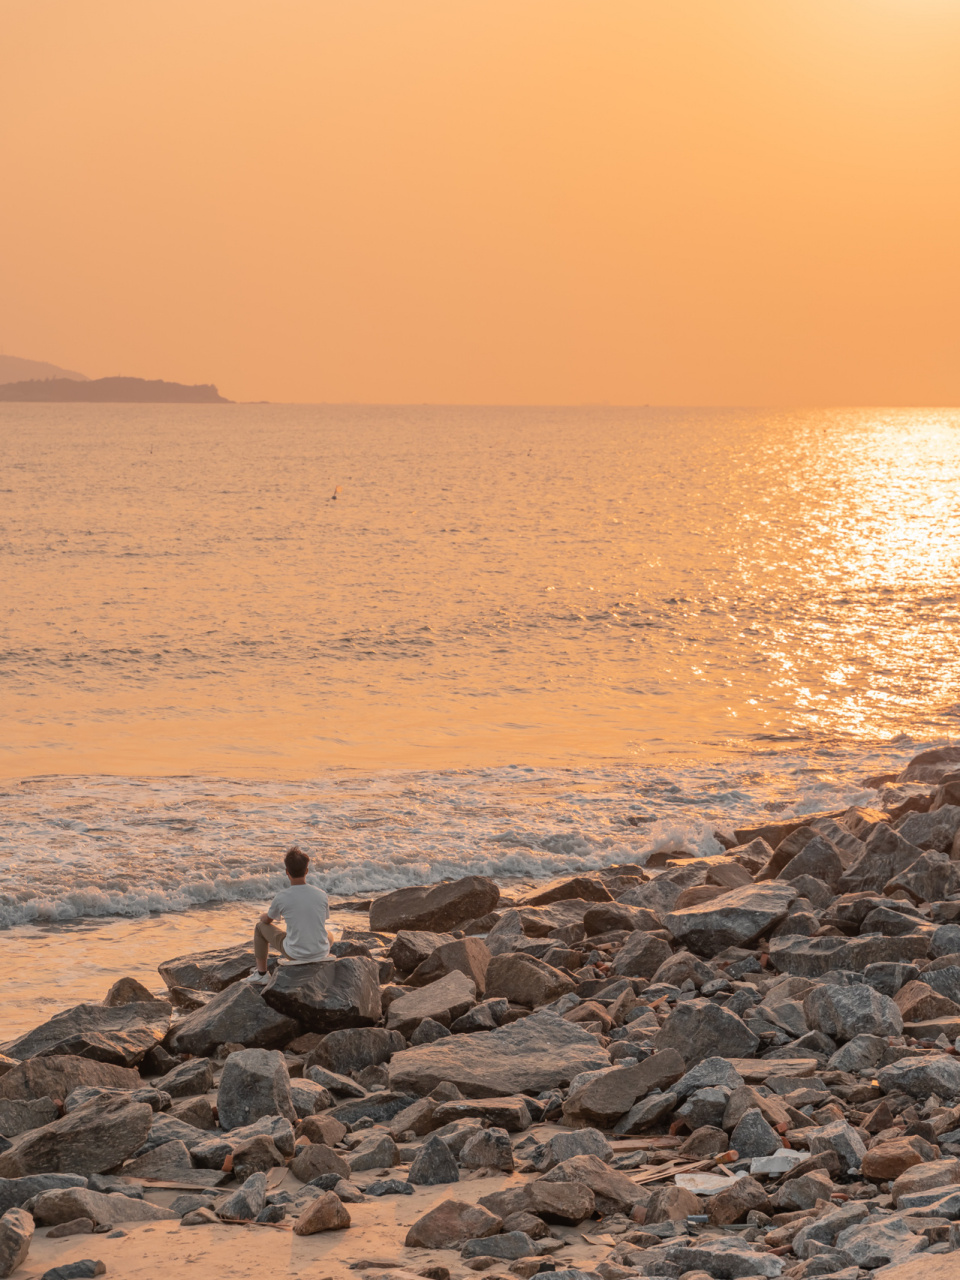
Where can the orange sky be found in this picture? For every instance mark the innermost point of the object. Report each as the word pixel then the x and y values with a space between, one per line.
pixel 631 201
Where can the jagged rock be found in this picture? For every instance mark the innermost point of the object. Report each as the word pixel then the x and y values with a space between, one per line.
pixel 450 1224
pixel 66 1204
pixel 682 967
pixel 924 1177
pixel 322 1129
pixel 709 1072
pixel 428 1031
pixel 188 1079
pixel 246 1202
pixel 435 908
pixel 524 980
pixel 210 1153
pixel 814 957
pixel 208 970
pixel 488 1149
pixel 329 995
pixel 120 1035
pixel 931 878
pixel 355 1048
pixel 845 1012
pixel 20 1115
pixel 535 1053
pixel 254 1083
pixel 640 956
pixel 165 1161
pixel 16 1232
pixel 326 1213
pixel 936 829
pixel 380 1107
pixel 704 1108
pixel 127 991
pixel 411 947
pixel 389 1187
pixel 697 1029
pixel 308 1097
pixel 724 1259
pixel 511 1245
pixel 167 1128
pixel 607 916
pixel 888 979
pixel 862 1053
pixel 256 1155
pixel 887 1160
pixel 945 981
pixel 379 1151
pixel 584 888
pixel 78 1227
pixel 804 1192
pixel 931 765
pixel 237 1015
pixel 507 934
pixel 877 1244
pixel 917 1001
pixel 658 896
pixel 753 1137
pixel 341 1086
pixel 886 853
pixel 818 858
pixel 482 1017
pixel 15 1192
pixel 919 1077
pixel 511 1114
pixel 154 1098
pixel 316 1159
pixel 613 1191
pixel 432 1165
pixel 840 1138
pixel 607 1097
pixel 735 1202
pixel 443 1001
pixel 469 956
pixel 564 1146
pixel 734 919
pixel 93 1138
pixel 645 1113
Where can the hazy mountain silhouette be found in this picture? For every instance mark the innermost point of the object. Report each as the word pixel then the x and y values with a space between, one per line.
pixel 16 369
pixel 116 390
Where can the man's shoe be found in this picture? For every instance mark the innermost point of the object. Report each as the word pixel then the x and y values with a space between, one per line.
pixel 257 979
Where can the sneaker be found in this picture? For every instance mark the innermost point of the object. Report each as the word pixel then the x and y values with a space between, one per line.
pixel 257 979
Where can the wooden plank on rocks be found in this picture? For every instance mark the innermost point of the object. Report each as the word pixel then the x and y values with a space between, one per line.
pixel 759 1069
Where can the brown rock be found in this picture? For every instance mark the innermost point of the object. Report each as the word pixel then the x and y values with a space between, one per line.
pixel 449 1224
pixel 525 980
pixel 16 1232
pixel 610 1096
pixel 734 1204
pixel 614 1191
pixel 66 1204
pixel 92 1138
pixel 670 1204
pixel 412 946
pixel 917 1001
pixel 703 1142
pixel 127 991
pixel 196 1111
pixel 926 1177
pixel 57 1077
pixel 469 956
pixel 321 1129
pixel 326 1213
pixel 583 887
pixel 561 1201
pixel 76 1227
pixel 437 908
pixel 314 1159
pixel 443 1001
pixel 887 1160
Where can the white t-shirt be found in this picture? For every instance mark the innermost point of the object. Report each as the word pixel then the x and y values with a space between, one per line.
pixel 304 909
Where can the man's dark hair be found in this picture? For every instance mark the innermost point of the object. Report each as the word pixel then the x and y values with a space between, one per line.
pixel 296 862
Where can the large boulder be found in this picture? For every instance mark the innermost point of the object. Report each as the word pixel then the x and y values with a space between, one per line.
pixel 122 1034
pixel 844 1012
pixel 57 1077
pixel 469 956
pixel 450 1224
pixel 583 887
pixel 236 1015
pixel 68 1204
pixel 930 766
pixel 412 946
pixel 732 920
pixel 886 853
pixel 208 970
pixel 355 1048
pixel 438 908
pixel 805 957
pixel 443 1001
pixel 539 1052
pixel 254 1083
pixel 607 1097
pixel 16 1232
pixel 698 1029
pixel 92 1139
pixel 935 830
pixel 525 980
pixel 15 1192
pixel 19 1115
pixel 328 995
pixel 641 956
pixel 919 1077
pixel 614 1192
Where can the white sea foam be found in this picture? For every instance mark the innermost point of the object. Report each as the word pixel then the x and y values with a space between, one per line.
pixel 74 848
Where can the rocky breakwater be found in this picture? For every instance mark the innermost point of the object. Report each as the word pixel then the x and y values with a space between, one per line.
pixel 736 1066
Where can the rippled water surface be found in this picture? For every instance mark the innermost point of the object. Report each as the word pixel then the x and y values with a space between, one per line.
pixel 518 641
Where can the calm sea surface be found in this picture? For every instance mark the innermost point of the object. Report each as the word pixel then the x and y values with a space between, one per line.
pixel 512 631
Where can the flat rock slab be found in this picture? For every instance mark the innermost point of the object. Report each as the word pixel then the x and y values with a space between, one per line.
pixel 329 995
pixel 208 970
pixel 756 1070
pixel 53 1207
pixel 503 1113
pixel 437 908
pixel 535 1053
pixel 92 1139
pixel 17 1191
pixel 237 1015
pixel 444 1000
pixel 813 957
pixel 733 919
pixel 122 1035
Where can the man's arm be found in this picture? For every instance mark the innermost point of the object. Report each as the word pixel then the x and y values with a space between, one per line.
pixel 265 919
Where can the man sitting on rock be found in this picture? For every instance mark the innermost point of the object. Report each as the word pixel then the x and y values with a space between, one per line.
pixel 304 909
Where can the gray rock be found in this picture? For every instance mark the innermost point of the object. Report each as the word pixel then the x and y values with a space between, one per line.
pixel 511 1244
pixel 167 1128
pixel 931 878
pixel 945 941
pixel 647 1112
pixel 15 1192
pixel 564 1146
pixel 724 1259
pixel 862 1053
pixel 935 829
pixel 608 916
pixel 341 1086
pixel 57 1077
pixel 309 1098
pixel 254 1084
pixel 85 1269
pixel 488 1149
pixel 709 1072
pixel 411 947
pixel 945 981
pixel 814 957
pixel 536 1053
pixel 845 1012
pixel 705 1107
pixel 237 1015
pixel 121 1036
pixel 753 1137
pixel 443 1001
pixel 329 995
pixel 733 919
pixel 436 908
pixel 189 1079
pixel 888 978
pixel 657 896
pixel 208 970
pixel 91 1139
pixel 428 1031
pixel 469 956
pixel 886 853
pixel 818 858
pixel 355 1048
pixel 53 1207
pixel 878 1244
pixel 156 1099
pixel 920 1077
pixel 16 1232
pixel 432 1165
pixel 840 1137
pixel 379 1151
pixel 931 765
pixel 165 1161
pixel 506 935
pixel 482 1017
pixel 698 1029
pixel 816 892
pixel 246 1202
pixel 604 1098
pixel 614 1192
pixel 389 1187
pixel 380 1107
pixel 522 979
pixel 640 956
pixel 20 1115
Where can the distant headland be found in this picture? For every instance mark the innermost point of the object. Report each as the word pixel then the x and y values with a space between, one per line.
pixel 110 390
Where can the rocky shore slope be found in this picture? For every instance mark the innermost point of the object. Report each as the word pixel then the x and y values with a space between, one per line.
pixel 729 1067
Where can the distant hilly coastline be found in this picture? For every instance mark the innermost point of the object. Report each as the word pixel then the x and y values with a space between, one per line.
pixel 16 369
pixel 63 390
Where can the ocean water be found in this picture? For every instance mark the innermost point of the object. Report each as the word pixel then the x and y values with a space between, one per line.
pixel 518 641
